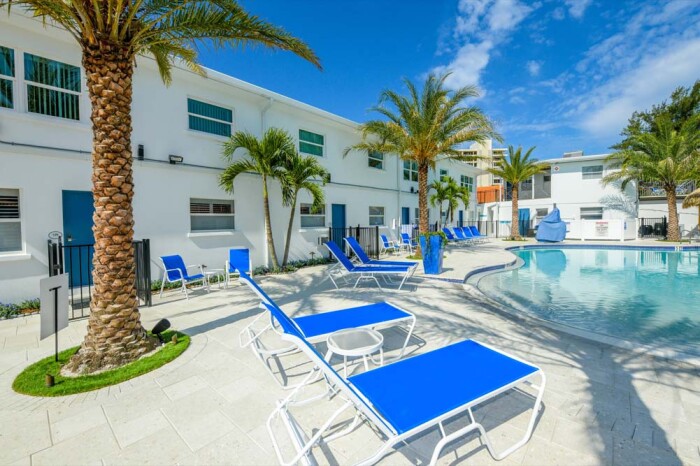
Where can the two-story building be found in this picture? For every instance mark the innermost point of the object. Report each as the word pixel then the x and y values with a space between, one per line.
pixel 45 163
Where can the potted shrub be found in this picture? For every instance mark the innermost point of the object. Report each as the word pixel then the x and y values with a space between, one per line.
pixel 432 245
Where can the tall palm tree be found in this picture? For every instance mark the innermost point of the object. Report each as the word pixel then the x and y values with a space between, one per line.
pixel 301 173
pixel 515 169
pixel 266 157
pixel 111 35
pixel 424 127
pixel 438 198
pixel 668 155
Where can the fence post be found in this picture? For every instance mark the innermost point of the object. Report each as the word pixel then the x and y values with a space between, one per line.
pixel 147 271
pixel 376 242
pixel 664 227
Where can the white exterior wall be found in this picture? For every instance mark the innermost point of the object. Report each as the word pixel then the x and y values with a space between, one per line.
pixel 163 191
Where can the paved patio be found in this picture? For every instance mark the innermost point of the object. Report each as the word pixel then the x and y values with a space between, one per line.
pixel 603 405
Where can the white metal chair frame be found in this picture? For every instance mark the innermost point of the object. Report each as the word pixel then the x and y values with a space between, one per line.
pixel 354 400
pixel 182 280
pixel 376 270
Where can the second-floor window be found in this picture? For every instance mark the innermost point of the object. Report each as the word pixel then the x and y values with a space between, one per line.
pixel 311 143
pixel 212 215
pixel 209 118
pixel 376 215
pixel 410 170
pixel 7 77
pixel 310 217
pixel 53 88
pixel 592 172
pixel 375 159
pixel 467 182
pixel 444 174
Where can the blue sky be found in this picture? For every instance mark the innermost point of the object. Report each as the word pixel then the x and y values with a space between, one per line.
pixel 561 75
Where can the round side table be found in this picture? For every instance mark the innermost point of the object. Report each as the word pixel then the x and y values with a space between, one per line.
pixel 355 342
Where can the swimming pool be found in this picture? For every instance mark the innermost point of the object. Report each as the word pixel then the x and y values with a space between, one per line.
pixel 650 297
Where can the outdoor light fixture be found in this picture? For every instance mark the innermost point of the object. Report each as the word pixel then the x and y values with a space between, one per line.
pixel 175 159
pixel 140 151
pixel 160 327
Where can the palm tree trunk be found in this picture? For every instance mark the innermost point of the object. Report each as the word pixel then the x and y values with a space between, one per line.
pixel 673 233
pixel 268 226
pixel 515 221
pixel 289 230
pixel 423 226
pixel 115 335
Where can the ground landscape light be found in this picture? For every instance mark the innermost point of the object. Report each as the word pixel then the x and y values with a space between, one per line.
pixel 160 327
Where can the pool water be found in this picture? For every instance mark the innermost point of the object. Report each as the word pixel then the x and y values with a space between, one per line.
pixel 642 296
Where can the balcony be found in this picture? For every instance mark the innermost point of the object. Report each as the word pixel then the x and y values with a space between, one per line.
pixel 648 190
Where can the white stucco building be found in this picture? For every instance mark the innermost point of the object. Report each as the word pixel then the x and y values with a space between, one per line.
pixel 45 170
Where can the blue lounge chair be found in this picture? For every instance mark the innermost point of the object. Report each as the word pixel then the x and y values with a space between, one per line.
pixel 454 238
pixel 389 245
pixel 365 260
pixel 175 270
pixel 461 235
pixel 317 327
pixel 365 272
pixel 407 242
pixel 238 261
pixel 477 234
pixel 406 398
pixel 470 236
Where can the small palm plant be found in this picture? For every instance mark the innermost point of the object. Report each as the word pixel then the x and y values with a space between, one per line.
pixel 438 198
pixel 266 157
pixel 515 169
pixel 426 126
pixel 301 173
pixel 111 35
pixel 456 194
pixel 668 155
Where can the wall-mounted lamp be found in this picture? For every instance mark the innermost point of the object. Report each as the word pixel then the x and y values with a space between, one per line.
pixel 175 159
pixel 413 190
pixel 140 152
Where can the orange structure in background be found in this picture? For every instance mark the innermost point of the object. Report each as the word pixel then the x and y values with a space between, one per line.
pixel 486 194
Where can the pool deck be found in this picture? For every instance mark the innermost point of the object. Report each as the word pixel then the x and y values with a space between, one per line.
pixel 603 405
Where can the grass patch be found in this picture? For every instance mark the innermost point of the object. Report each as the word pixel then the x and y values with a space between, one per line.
pixel 32 379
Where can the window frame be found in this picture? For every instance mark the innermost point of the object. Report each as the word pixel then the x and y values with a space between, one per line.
pixel 26 83
pixel 592 175
pixel 583 216
pixel 303 216
pixel 11 79
pixel 204 117
pixel 211 213
pixel 468 185
pixel 444 174
pixel 410 171
pixel 18 220
pixel 371 156
pixel 375 216
pixel 322 146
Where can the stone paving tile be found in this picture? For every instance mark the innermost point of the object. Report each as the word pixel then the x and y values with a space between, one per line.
pixel 160 448
pixel 233 448
pixel 77 424
pixel 133 430
pixel 86 449
pixel 22 433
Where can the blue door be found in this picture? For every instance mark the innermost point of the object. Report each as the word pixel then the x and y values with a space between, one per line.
pixel 338 224
pixel 405 216
pixel 523 221
pixel 77 236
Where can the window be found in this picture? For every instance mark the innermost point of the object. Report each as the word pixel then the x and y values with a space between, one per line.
pixel 311 143
pixel 53 88
pixel 209 118
pixel 541 213
pixel 312 218
pixel 467 182
pixel 416 218
pixel 375 159
pixel 376 216
pixel 10 223
pixel 410 170
pixel 591 213
pixel 211 215
pixel 7 74
pixel 497 181
pixel 592 172
pixel 444 174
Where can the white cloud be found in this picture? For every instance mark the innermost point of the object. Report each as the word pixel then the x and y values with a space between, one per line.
pixel 577 8
pixel 480 26
pixel 533 67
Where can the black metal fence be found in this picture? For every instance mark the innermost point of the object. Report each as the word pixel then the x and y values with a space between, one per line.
pixel 653 227
pixel 76 261
pixel 368 237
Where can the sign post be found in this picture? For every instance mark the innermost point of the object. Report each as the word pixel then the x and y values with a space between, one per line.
pixel 54 306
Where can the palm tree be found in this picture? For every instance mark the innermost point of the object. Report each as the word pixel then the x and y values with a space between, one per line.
pixel 668 156
pixel 515 169
pixel 439 197
pixel 266 157
pixel 111 35
pixel 455 195
pixel 425 127
pixel 301 173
